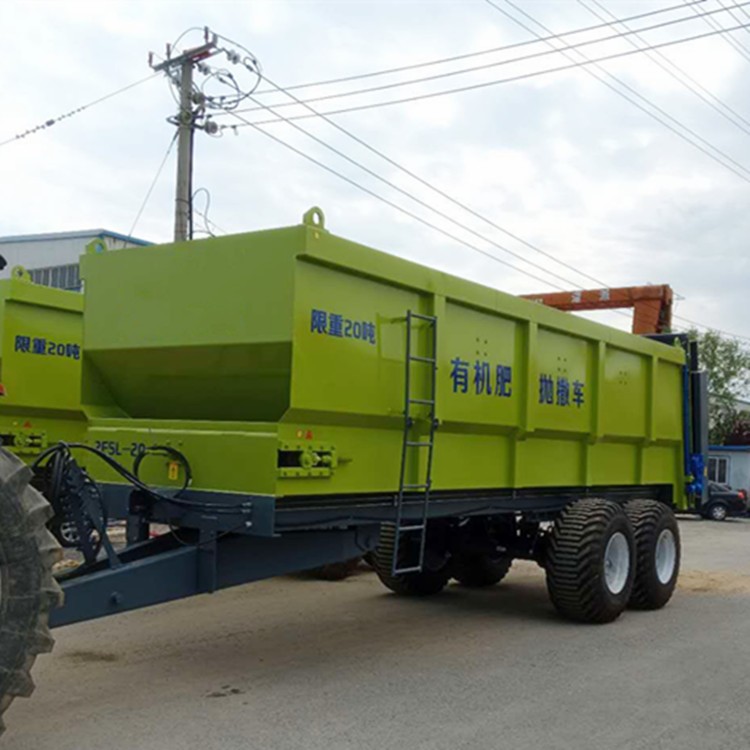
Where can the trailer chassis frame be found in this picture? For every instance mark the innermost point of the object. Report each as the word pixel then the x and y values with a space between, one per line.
pixel 269 536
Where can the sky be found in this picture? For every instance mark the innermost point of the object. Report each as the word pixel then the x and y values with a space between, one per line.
pixel 559 159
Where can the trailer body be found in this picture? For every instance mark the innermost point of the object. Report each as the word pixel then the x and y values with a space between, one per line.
pixel 286 399
pixel 40 365
pixel 276 362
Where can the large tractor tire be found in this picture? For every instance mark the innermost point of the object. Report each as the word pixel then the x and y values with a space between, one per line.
pixel 27 589
pixel 657 553
pixel 591 561
pixel 425 583
pixel 480 571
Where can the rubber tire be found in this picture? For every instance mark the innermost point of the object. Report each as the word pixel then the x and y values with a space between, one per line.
pixel 480 571
pixel 649 519
pixel 426 583
pixel 27 589
pixel 716 507
pixel 575 561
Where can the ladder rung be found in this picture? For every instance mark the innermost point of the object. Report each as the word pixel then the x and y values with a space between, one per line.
pixel 431 318
pixel 418 358
pixel 402 571
pixel 416 486
pixel 425 401
pixel 417 444
pixel 412 527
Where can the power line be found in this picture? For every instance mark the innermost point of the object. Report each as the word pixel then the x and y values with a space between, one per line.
pixel 696 88
pixel 436 190
pixel 524 76
pixel 444 195
pixel 468 55
pixel 388 202
pixel 739 7
pixel 740 170
pixel 429 224
pixel 439 192
pixel 153 184
pixel 733 43
pixel 408 213
pixel 53 120
pixel 611 76
pixel 730 9
pixel 485 66
pixel 381 198
pixel 711 328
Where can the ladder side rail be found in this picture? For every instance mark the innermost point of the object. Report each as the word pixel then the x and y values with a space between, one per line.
pixel 430 441
pixel 404 447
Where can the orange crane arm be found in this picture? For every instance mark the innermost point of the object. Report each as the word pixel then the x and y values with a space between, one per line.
pixel 652 305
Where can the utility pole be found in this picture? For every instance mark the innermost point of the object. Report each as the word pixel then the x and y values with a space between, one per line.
pixel 180 71
pixel 183 219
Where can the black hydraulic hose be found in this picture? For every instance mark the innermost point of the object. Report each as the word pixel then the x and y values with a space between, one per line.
pixel 132 478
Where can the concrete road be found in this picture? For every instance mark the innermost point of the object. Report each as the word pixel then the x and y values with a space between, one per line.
pixel 293 663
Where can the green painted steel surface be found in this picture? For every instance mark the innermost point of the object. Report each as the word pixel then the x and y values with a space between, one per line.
pixel 40 365
pixel 275 360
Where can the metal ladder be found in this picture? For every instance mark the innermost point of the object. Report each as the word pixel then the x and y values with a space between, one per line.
pixel 414 445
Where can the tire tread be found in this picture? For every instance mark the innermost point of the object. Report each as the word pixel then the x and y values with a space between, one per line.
pixel 646 516
pixel 574 575
pixel 28 590
pixel 425 583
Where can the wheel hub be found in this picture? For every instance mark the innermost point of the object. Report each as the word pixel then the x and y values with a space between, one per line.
pixel 666 556
pixel 616 562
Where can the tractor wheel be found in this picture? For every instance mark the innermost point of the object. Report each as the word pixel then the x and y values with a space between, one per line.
pixel 425 583
pixel 27 589
pixel 657 553
pixel 591 561
pixel 479 571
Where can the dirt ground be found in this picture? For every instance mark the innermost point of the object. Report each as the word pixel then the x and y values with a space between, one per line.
pixel 295 663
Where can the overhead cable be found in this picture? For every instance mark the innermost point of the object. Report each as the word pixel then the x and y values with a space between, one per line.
pixel 525 76
pixel 660 115
pixel 678 73
pixel 153 184
pixel 731 41
pixel 479 53
pixel 500 63
pixel 436 190
pixel 53 120
pixel 389 202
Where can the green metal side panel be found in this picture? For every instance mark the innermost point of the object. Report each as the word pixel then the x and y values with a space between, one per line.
pixel 197 331
pixel 40 365
pixel 226 457
pixel 297 338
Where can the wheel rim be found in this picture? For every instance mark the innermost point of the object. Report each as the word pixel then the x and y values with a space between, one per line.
pixel 666 556
pixel 718 513
pixel 616 562
pixel 69 532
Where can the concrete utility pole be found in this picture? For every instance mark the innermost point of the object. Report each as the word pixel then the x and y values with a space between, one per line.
pixel 181 67
pixel 183 229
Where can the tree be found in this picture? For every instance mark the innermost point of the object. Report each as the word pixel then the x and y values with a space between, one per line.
pixel 727 363
pixel 740 433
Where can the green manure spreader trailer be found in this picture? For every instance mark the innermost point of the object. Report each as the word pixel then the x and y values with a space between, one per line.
pixel 286 399
pixel 41 332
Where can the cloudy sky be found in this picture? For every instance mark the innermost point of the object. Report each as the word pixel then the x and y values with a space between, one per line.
pixel 561 160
